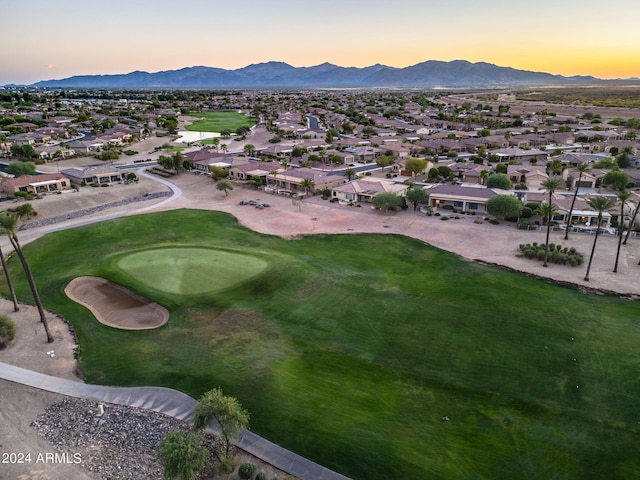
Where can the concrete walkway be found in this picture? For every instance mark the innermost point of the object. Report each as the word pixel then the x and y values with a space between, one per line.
pixel 175 404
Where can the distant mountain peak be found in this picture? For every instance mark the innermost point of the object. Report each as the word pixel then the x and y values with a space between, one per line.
pixel 277 74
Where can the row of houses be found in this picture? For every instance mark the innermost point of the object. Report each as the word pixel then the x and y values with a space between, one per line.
pixel 59 182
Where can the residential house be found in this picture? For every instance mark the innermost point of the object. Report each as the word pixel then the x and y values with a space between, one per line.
pixel 244 172
pixel 95 175
pixel 458 198
pixel 532 177
pixel 365 189
pixel 290 181
pixel 519 155
pixel 36 184
pixel 364 154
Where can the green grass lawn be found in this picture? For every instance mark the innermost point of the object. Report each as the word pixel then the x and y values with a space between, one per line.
pixel 189 271
pixel 349 349
pixel 218 120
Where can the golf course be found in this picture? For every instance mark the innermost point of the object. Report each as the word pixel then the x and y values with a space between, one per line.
pixel 218 120
pixel 375 355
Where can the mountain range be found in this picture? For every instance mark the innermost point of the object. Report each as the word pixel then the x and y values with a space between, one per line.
pixel 429 74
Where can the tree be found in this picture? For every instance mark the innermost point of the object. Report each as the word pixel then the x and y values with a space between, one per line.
pixel 26 210
pixel 307 183
pixel 415 166
pixel 249 149
pixel 484 174
pixel 349 173
pixel 23 151
pixel 554 166
pixel 501 168
pixel 9 282
pixel 387 201
pixel 416 195
pixel 504 206
pixel 218 172
pixel 225 410
pixel 21 168
pixel 182 455
pixel 9 222
pixel 582 168
pixel 550 186
pixel 434 173
pixel 499 180
pixel 623 198
pixel 224 185
pixel 383 161
pixel 616 179
pixel 599 204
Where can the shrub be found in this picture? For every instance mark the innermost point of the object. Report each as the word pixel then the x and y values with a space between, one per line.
pixel 21 194
pixel 104 185
pixel 226 465
pixel 246 470
pixel 7 328
pixel 493 221
pixel 261 476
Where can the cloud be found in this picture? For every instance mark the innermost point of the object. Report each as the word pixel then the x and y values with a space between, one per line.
pixel 50 66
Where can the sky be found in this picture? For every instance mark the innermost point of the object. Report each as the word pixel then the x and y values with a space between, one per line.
pixel 54 39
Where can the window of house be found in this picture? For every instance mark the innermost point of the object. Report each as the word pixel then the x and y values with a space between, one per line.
pixel 472 206
pixel 457 204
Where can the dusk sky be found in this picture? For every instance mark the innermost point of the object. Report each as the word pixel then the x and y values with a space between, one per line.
pixel 53 39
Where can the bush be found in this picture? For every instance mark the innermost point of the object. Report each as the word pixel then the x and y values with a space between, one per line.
pixel 22 194
pixel 246 470
pixel 227 465
pixel 7 328
pixel 104 185
pixel 261 476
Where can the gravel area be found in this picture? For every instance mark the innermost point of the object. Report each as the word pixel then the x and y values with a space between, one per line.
pixel 103 442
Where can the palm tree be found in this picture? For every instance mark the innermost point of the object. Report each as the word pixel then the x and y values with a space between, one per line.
pixel 224 147
pixel 623 197
pixel 484 174
pixel 583 167
pixel 549 185
pixel 307 183
pixel 249 149
pixel 9 282
pixel 9 222
pixel 600 204
pixel 349 172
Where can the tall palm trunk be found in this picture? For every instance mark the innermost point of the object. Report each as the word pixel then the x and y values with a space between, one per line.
pixel 620 230
pixel 546 243
pixel 573 203
pixel 9 283
pixel 32 285
pixel 633 219
pixel 593 249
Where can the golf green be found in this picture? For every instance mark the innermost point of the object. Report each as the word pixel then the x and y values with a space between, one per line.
pixel 191 270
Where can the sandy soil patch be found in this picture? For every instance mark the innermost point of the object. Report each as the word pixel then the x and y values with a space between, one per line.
pixel 115 305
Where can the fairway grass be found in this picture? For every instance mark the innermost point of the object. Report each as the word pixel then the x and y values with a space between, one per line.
pixel 218 120
pixel 350 349
pixel 188 271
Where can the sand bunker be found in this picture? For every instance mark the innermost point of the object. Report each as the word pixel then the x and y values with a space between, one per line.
pixel 115 305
